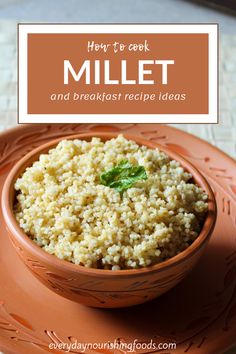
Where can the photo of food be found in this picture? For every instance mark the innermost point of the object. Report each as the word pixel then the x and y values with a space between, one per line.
pixel 116 205
pixel 118 216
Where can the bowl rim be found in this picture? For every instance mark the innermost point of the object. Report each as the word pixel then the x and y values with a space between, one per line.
pixel 54 261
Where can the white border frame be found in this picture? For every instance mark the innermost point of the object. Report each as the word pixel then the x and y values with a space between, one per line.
pixel 210 29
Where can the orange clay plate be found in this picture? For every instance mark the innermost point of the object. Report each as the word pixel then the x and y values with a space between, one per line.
pixel 199 314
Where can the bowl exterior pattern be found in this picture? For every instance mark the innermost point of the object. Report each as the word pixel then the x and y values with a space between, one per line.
pixel 97 291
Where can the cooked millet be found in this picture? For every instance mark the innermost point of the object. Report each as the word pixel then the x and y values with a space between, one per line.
pixel 64 208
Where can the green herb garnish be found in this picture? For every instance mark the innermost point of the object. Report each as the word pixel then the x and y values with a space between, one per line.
pixel 123 176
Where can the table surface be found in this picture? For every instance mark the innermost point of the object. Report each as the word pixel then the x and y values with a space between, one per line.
pixel 222 135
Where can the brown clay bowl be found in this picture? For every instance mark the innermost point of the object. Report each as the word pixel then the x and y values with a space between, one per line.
pixel 98 287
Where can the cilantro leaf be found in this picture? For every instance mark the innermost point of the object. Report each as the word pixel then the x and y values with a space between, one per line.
pixel 123 176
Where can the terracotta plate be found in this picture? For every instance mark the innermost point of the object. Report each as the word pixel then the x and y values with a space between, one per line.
pixel 199 314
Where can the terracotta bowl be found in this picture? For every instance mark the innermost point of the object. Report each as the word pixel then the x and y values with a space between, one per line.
pixel 98 287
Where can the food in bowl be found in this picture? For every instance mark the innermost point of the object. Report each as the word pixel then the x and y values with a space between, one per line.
pixel 110 205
